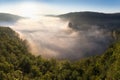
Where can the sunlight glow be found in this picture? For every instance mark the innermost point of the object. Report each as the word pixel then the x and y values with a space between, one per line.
pixel 28 9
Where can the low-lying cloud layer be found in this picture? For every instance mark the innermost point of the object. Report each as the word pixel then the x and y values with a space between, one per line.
pixel 53 38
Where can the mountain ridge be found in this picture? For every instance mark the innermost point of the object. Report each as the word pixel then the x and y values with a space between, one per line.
pixel 7 17
pixel 84 19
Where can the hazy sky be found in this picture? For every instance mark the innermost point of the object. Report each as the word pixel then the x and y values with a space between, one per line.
pixel 29 7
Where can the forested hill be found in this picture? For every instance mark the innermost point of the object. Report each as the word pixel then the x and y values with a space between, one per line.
pixel 16 63
pixel 87 19
pixel 6 17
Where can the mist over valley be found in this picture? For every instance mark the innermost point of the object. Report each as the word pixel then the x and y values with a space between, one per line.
pixel 70 36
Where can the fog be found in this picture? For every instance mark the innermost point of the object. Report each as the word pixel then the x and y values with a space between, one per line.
pixel 51 37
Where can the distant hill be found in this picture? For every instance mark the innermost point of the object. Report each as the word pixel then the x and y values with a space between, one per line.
pixel 9 18
pixel 85 19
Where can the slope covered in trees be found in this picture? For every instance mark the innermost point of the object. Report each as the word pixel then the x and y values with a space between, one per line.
pixel 16 63
pixel 82 20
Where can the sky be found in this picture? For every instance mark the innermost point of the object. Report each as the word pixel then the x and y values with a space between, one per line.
pixel 24 7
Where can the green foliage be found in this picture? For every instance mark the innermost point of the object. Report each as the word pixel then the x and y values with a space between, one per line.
pixel 16 63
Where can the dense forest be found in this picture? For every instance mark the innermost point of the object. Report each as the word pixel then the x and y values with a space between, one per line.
pixel 16 63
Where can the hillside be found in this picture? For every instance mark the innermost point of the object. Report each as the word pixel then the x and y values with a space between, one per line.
pixel 80 20
pixel 6 18
pixel 17 63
